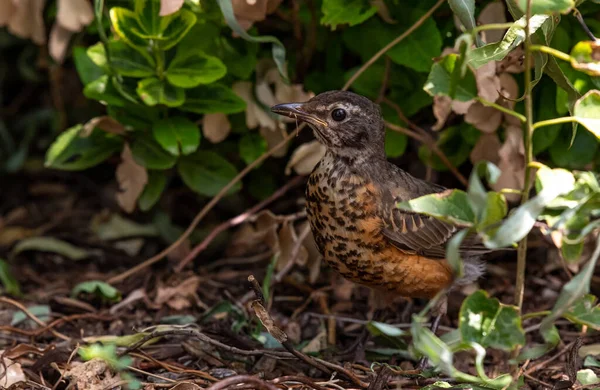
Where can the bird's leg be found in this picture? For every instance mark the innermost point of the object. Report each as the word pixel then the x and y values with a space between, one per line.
pixel 438 311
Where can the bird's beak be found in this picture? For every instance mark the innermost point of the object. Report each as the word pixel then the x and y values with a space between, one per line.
pixel 295 110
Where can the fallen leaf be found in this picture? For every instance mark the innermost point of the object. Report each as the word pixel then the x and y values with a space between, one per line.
pixel 10 373
pixel 290 249
pixel 180 251
pixel 134 296
pixel 494 12
pixel 318 343
pixel 273 138
pixel 168 7
pixel 132 179
pixel 178 297
pixel 216 127
pixel 305 157
pixel 486 119
pixel 91 375
pixel 132 246
pixel 53 245
pixel 105 123
pixel 113 227
pixel 11 234
pixel 265 318
pixel 27 20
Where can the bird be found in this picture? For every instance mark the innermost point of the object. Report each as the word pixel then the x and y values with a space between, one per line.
pixel 351 198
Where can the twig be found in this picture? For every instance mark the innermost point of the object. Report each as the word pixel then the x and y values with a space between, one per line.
pixel 209 206
pixel 301 379
pixel 293 254
pixel 385 81
pixel 280 336
pixel 33 317
pixel 381 379
pixel 236 380
pixel 236 221
pixel 393 43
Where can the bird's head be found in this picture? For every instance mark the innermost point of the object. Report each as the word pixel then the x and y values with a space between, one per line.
pixel 348 124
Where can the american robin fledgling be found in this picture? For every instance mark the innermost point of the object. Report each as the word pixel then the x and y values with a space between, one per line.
pixel 351 203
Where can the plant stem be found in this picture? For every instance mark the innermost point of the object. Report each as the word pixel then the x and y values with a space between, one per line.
pixel 553 52
pixel 527 140
pixel 501 108
pixel 536 314
pixel 555 121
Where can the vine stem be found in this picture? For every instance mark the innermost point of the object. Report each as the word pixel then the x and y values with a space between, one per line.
pixel 527 140
pixel 393 43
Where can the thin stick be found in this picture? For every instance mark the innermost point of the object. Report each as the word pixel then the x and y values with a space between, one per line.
pixel 33 317
pixel 209 206
pixel 393 43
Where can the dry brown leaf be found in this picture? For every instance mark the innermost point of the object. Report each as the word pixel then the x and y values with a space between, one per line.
pixel 461 108
pixel 27 20
pixel 442 107
pixel 305 157
pixel 317 344
pixel 74 15
pixel 267 321
pixel 289 247
pixel 10 372
pixel 132 179
pixel 178 297
pixel 7 10
pixel 512 163
pixel 105 123
pixel 59 42
pixel 168 7
pixel 216 127
pixel 509 88
pixel 488 83
pixel 180 251
pixel 343 289
pixel 494 12
pixel 87 375
pixel 314 256
pixel 249 11
pixel 486 149
pixel 513 62
pixel 134 296
pixel 249 237
pixel 486 119
pixel 383 11
pixel 273 138
pixel 255 116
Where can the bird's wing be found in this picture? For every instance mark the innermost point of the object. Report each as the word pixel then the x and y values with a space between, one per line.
pixel 418 233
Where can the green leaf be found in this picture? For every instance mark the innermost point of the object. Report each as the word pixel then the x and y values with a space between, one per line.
pixel 72 152
pixel 8 280
pixel 585 312
pixel 486 321
pixel 40 311
pixel 117 227
pixel 587 377
pixel 148 153
pixel 176 26
pixel 438 82
pixel 189 69
pixel 513 38
pixel 431 346
pixel 453 143
pixel 587 112
pixel 352 12
pixel 547 6
pixel 103 90
pixel 585 57
pixel 177 135
pixel 213 98
pixel 148 14
pixel 97 55
pixel 157 181
pixel 418 49
pixel 97 288
pixel 573 152
pixel 451 205
pixel 207 173
pixel 251 147
pixel 50 244
pixel 395 143
pixel 465 12
pixel 129 62
pixel 520 222
pixel 154 91
pixel 86 68
pixel 391 334
pixel 126 25
pixel 278 50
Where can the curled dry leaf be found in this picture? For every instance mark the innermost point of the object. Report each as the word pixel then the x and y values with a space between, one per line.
pixel 486 119
pixel 92 375
pixel 74 15
pixel 255 115
pixel 216 127
pixel 180 296
pixel 290 249
pixel 249 237
pixel 442 107
pixel 305 157
pixel 494 12
pixel 265 318
pixel 247 12
pixel 317 344
pixel 59 41
pixel 132 179
pixel 512 162
pixel 488 83
pixel 105 123
pixel 486 149
pixel 24 18
pixel 10 373
pixel 513 62
pixel 168 7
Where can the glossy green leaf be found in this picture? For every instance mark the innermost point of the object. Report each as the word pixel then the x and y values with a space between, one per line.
pixel 97 288
pixel 189 69
pixel 176 26
pixel 177 135
pixel 207 172
pixel 252 146
pixel 464 11
pixel 587 377
pixel 278 50
pixel 352 12
pixel 486 321
pixel 97 55
pixel 395 143
pixel 213 98
pixel 418 49
pixel 50 244
pixel 7 279
pixel 585 311
pixel 72 152
pixel 391 334
pixel 587 112
pixel 126 25
pixel 431 346
pixel 148 153
pixel 438 82
pixel 573 152
pixel 87 69
pixel 451 205
pixel 154 91
pixel 129 62
pixel 513 38
pixel 148 14
pixel 547 6
pixel 103 90
pixel 157 181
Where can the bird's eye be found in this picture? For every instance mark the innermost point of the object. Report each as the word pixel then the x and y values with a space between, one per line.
pixel 338 115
